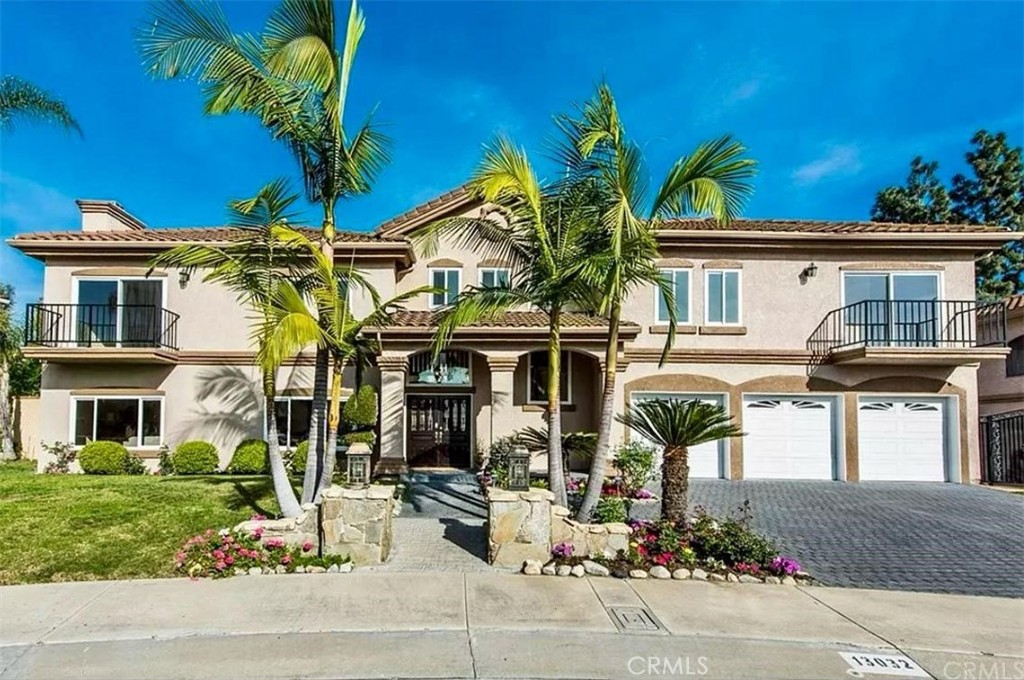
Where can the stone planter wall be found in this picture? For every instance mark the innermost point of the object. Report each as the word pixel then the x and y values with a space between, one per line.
pixel 524 525
pixel 356 522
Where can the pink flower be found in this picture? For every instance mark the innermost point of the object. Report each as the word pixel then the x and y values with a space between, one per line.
pixel 274 542
pixel 257 518
pixel 229 560
pixel 287 559
pixel 220 566
pixel 219 554
pixel 307 546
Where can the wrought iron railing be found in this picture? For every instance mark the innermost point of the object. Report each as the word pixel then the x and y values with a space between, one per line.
pixel 1002 446
pixel 66 325
pixel 950 324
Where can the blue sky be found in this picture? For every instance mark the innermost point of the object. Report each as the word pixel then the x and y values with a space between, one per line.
pixel 832 98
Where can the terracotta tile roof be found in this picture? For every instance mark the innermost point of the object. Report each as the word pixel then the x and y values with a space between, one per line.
pixel 448 199
pixel 1015 301
pixel 822 226
pixel 422 319
pixel 178 235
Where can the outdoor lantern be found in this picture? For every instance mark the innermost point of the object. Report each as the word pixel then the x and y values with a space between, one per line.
pixel 519 469
pixel 183 278
pixel 358 459
pixel 810 271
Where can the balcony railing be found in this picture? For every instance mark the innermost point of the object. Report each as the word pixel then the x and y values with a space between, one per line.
pixel 63 325
pixel 947 324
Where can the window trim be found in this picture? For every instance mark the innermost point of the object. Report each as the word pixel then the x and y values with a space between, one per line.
pixel 482 270
pixel 76 279
pixel 290 398
pixel 430 282
pixel 566 399
pixel 674 271
pixel 73 416
pixel 739 296
pixel 888 274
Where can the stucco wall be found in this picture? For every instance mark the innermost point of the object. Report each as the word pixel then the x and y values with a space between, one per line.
pixel 26 426
pixel 997 392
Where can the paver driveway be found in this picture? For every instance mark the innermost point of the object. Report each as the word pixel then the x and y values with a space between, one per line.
pixel 948 538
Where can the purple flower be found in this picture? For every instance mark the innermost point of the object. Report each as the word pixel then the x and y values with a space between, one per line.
pixel 786 566
pixel 562 550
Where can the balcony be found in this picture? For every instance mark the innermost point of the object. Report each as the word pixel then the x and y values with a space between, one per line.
pixel 64 333
pixel 922 332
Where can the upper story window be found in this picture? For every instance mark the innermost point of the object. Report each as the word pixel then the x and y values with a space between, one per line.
pixel 135 422
pixel 722 296
pixel 449 282
pixel 126 312
pixel 860 287
pixel 679 279
pixel 494 277
pixel 883 308
pixel 537 377
pixel 1015 359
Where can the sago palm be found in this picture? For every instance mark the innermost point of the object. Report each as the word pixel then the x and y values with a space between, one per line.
pixel 20 99
pixel 541 231
pixel 677 426
pixel 713 180
pixel 253 267
pixel 294 78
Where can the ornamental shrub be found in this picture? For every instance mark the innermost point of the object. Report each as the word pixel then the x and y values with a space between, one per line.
pixel 249 458
pixel 610 509
pixel 133 465
pixel 359 416
pixel 103 458
pixel 635 460
pixel 195 458
pixel 64 455
pixel 366 437
pixel 299 458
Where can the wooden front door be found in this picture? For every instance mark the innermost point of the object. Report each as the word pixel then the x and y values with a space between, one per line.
pixel 438 430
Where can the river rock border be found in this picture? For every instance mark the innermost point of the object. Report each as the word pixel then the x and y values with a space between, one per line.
pixel 592 568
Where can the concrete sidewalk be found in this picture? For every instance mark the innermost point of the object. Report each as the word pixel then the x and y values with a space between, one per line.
pixel 441 625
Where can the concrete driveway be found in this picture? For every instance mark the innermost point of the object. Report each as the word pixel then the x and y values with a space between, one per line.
pixel 945 538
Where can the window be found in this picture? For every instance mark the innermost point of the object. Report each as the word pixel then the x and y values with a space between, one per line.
pixel 884 308
pixel 136 422
pixel 119 312
pixel 679 279
pixel 493 277
pixel 293 415
pixel 537 365
pixel 452 367
pixel 1015 360
pixel 449 281
pixel 722 297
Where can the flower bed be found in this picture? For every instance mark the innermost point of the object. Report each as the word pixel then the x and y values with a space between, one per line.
pixel 218 554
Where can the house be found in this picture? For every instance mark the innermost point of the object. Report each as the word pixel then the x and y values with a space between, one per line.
pixel 845 350
pixel 1001 383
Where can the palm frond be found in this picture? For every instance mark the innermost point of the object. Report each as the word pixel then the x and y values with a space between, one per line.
pixel 679 424
pixel 20 99
pixel 714 180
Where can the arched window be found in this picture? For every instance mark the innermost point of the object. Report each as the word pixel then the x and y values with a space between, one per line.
pixel 452 367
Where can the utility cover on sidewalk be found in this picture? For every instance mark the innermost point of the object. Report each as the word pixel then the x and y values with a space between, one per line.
pixel 635 620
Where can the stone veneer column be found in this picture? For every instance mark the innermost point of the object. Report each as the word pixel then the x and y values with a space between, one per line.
pixel 393 369
pixel 503 415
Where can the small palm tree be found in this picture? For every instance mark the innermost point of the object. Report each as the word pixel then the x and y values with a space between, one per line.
pixel 676 426
pixel 21 99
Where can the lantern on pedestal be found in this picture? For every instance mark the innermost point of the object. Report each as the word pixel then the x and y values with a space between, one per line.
pixel 358 459
pixel 519 469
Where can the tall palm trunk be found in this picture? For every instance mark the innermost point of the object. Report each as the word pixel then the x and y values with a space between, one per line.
pixel 333 420
pixel 604 432
pixel 675 484
pixel 282 487
pixel 317 425
pixel 556 470
pixel 6 414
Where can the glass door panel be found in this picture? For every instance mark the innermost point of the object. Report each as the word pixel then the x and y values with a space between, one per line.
pixel 96 322
pixel 915 310
pixel 867 315
pixel 140 313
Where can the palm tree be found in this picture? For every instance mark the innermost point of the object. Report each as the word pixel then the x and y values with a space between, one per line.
pixel 541 231
pixel 290 325
pixel 676 426
pixel 21 99
pixel 713 180
pixel 294 78
pixel 254 266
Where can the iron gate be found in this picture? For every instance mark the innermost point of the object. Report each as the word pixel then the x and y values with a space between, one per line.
pixel 1002 445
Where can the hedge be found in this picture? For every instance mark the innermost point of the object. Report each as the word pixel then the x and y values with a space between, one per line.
pixel 103 458
pixel 250 458
pixel 195 458
pixel 300 457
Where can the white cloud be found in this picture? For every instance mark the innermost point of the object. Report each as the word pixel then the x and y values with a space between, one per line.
pixel 843 160
pixel 745 90
pixel 26 205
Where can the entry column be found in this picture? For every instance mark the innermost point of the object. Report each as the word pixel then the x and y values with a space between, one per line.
pixel 393 369
pixel 503 416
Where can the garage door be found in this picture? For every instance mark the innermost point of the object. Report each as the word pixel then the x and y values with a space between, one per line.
pixel 706 459
pixel 902 439
pixel 788 438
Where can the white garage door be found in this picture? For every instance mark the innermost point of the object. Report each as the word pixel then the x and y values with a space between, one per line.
pixel 902 439
pixel 706 459
pixel 788 438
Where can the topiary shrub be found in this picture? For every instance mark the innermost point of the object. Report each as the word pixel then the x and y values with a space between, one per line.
pixel 250 458
pixel 299 458
pixel 103 458
pixel 195 458
pixel 359 416
pixel 366 437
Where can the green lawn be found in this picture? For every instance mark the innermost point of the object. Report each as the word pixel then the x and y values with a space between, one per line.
pixel 84 527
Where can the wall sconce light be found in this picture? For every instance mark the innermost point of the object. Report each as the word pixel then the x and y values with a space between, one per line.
pixel 183 278
pixel 810 271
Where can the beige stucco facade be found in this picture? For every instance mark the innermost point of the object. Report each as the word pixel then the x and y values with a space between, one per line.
pixel 999 390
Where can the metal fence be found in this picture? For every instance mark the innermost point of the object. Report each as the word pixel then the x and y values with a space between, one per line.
pixel 66 325
pixel 1002 448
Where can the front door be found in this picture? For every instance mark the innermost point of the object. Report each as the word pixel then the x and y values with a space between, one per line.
pixel 439 430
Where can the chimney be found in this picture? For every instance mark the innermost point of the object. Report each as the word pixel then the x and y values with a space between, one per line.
pixel 107 216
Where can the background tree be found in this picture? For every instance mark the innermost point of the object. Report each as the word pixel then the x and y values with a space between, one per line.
pixel 677 426
pixel 992 195
pixel 21 100
pixel 10 348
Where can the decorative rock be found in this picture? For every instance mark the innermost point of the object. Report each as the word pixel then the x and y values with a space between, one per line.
pixel 532 567
pixel 563 570
pixel 578 571
pixel 255 571
pixel 700 574
pixel 315 570
pixel 548 570
pixel 788 581
pixel 747 578
pixel 774 580
pixel 333 569
pixel 280 569
pixel 638 573
pixel 620 572
pixel 716 577
pixel 660 572
pixel 681 574
pixel 595 569
pixel 300 569
pixel 345 568
pixel 731 578
pixel 802 574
